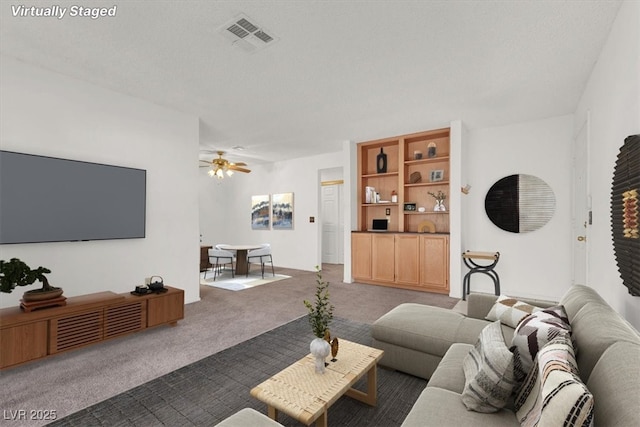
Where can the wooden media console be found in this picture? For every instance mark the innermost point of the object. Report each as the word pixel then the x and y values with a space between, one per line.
pixel 83 321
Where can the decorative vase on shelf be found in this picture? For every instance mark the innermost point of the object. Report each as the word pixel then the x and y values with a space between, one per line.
pixel 381 163
pixel 431 150
pixel 320 349
pixel 439 206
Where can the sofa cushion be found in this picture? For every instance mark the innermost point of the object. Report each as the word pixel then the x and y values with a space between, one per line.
pixel 488 371
pixel 425 328
pixel 437 407
pixel 450 374
pixel 614 383
pixel 553 394
pixel 577 297
pixel 533 333
pixel 248 417
pixel 510 311
pixel 595 328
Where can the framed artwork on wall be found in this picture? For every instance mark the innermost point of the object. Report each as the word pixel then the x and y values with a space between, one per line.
pixel 282 211
pixel 260 207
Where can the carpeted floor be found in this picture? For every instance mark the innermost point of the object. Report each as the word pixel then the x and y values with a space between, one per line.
pixel 207 391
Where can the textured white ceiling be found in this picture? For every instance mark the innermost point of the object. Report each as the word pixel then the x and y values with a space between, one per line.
pixel 341 70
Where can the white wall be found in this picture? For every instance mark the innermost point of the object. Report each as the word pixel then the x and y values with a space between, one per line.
pixel 535 264
pixel 612 96
pixel 49 114
pixel 225 215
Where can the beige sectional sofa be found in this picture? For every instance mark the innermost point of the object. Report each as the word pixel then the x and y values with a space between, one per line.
pixel 432 343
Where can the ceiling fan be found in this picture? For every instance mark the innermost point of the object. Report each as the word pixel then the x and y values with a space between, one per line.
pixel 221 166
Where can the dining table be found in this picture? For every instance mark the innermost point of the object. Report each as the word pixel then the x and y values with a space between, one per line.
pixel 242 266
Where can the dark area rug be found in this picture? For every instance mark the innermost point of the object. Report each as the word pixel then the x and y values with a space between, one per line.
pixel 208 391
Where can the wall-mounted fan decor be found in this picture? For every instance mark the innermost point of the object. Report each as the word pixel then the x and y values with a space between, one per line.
pixel 220 167
pixel 625 213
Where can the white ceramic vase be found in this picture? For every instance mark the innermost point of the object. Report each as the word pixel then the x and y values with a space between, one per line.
pixel 439 207
pixel 320 349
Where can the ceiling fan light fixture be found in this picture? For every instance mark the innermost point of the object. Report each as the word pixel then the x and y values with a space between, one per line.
pixel 218 167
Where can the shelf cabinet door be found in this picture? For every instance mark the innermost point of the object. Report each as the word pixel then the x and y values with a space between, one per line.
pixel 361 256
pixel 434 263
pixel 383 257
pixel 407 248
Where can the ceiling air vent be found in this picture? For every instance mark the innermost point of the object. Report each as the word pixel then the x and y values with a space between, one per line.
pixel 246 34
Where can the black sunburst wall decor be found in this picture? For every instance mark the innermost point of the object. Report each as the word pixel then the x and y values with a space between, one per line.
pixel 625 213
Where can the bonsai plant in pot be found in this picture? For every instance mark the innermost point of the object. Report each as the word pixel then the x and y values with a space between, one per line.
pixel 320 316
pixel 17 273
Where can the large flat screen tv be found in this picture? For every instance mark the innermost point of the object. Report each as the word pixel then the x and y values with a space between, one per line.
pixel 46 199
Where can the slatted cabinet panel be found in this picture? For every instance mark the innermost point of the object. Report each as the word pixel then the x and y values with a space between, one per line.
pixel 75 331
pixel 125 319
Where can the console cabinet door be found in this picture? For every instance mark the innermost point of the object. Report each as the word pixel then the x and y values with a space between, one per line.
pixel 407 248
pixel 361 256
pixel 383 257
pixel 23 343
pixel 165 308
pixel 434 262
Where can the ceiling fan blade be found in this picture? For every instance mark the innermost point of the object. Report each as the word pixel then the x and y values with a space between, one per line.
pixel 238 169
pixel 239 163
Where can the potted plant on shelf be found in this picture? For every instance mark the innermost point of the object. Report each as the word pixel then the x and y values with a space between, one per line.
pixel 440 198
pixel 17 273
pixel 320 316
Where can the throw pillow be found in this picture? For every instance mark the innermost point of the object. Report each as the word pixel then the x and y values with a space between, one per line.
pixel 532 333
pixel 488 371
pixel 553 394
pixel 510 311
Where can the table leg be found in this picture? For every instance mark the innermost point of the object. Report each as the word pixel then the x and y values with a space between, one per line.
pixel 371 396
pixel 322 419
pixel 241 262
pixel 272 413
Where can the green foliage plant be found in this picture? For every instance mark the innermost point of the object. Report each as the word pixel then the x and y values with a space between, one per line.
pixel 320 314
pixel 17 273
pixel 439 197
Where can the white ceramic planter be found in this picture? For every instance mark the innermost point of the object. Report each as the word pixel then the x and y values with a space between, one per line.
pixel 320 349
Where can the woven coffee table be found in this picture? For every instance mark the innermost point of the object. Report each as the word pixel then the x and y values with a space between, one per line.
pixel 305 395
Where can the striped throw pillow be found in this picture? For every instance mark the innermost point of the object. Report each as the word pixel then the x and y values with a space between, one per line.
pixel 510 311
pixel 488 371
pixel 533 332
pixel 553 394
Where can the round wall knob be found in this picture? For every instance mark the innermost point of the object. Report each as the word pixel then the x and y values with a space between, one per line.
pixel 582 238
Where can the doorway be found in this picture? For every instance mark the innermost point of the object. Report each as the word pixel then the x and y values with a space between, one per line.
pixel 332 220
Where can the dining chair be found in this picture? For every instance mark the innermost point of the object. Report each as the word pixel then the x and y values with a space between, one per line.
pixel 219 258
pixel 222 245
pixel 261 255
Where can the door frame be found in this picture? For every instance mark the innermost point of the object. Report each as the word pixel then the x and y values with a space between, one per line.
pixel 581 203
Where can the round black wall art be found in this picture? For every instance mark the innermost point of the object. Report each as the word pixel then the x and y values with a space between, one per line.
pixel 520 203
pixel 625 213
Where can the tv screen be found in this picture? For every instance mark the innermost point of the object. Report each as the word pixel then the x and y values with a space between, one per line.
pixel 46 199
